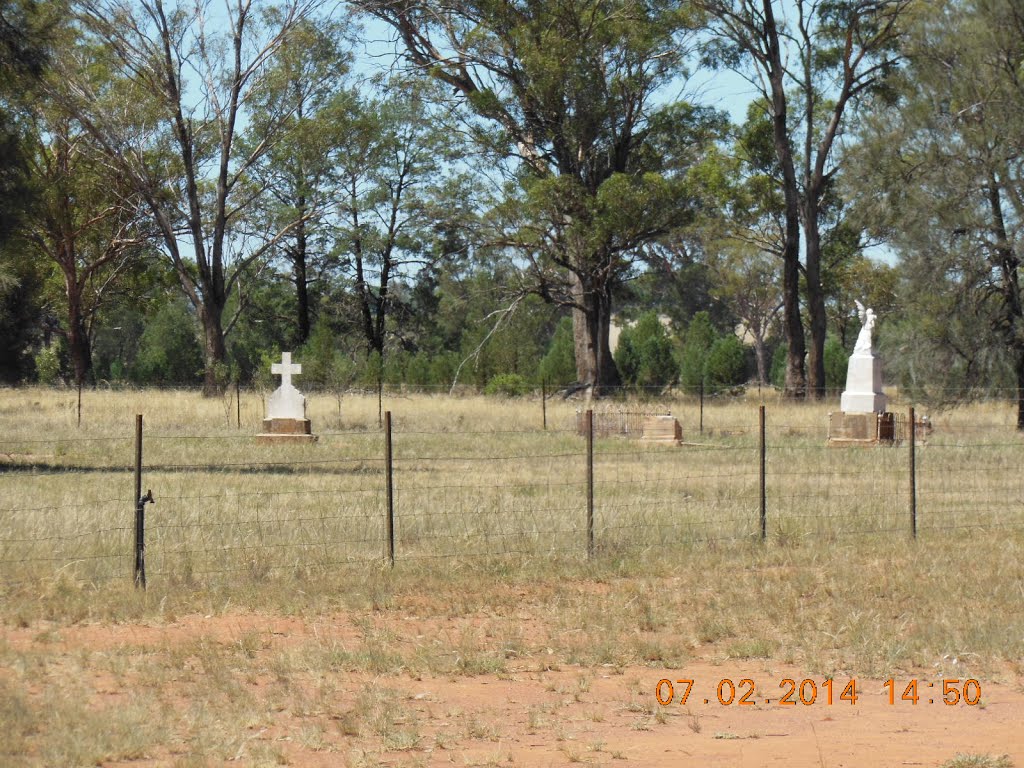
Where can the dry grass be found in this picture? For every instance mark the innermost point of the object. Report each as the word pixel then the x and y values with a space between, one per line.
pixel 491 545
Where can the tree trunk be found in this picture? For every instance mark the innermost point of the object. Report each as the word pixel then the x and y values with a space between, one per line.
pixel 78 341
pixel 301 278
pixel 79 348
pixel 761 356
pixel 1020 391
pixel 815 303
pixel 591 326
pixel 214 351
pixel 1011 324
pixel 796 384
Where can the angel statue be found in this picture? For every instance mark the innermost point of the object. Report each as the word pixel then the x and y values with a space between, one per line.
pixel 867 319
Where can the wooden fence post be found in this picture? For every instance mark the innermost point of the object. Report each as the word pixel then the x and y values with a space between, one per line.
pixel 140 510
pixel 913 475
pixel 762 477
pixel 590 483
pixel 389 472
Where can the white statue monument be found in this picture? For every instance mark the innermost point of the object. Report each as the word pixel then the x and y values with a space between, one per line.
pixel 286 408
pixel 864 375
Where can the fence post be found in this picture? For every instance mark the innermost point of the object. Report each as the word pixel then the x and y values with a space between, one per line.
pixel 913 476
pixel 761 474
pixel 140 510
pixel 79 405
pixel 380 400
pixel 238 405
pixel 590 483
pixel 389 473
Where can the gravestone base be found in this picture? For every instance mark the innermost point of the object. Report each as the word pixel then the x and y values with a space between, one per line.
pixel 286 431
pixel 865 429
pixel 662 429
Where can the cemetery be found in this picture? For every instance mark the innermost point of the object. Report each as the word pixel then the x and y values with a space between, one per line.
pixel 511 383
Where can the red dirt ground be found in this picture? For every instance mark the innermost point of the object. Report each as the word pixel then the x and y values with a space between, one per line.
pixel 539 713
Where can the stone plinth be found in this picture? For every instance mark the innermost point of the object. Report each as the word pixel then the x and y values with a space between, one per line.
pixel 863 385
pixel 662 429
pixel 864 429
pixel 286 431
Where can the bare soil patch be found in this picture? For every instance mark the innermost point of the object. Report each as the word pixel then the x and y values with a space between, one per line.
pixel 290 690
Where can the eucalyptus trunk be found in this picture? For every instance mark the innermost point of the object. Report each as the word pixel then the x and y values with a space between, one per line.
pixel 818 323
pixel 591 326
pixel 214 351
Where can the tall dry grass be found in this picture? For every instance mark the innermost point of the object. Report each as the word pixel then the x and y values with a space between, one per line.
pixel 485 497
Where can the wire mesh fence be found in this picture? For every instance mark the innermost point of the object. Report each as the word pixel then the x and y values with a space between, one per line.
pixel 225 504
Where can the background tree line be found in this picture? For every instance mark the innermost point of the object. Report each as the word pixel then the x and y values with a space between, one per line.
pixel 471 194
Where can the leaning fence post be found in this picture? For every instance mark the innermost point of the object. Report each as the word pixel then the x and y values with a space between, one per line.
pixel 590 483
pixel 140 510
pixel 390 475
pixel 913 476
pixel 762 477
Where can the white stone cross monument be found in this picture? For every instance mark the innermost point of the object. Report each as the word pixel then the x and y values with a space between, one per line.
pixel 864 375
pixel 286 402
pixel 286 408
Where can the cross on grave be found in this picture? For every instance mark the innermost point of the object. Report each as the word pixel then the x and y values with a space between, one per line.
pixel 286 369
pixel 286 420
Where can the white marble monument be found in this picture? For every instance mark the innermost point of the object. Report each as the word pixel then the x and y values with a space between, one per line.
pixel 286 408
pixel 864 375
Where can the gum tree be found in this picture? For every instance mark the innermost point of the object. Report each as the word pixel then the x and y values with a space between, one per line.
pixel 813 62
pixel 86 222
pixel 168 116
pixel 566 92
pixel 942 178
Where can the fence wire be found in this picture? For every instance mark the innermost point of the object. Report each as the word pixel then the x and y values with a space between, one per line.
pixel 225 504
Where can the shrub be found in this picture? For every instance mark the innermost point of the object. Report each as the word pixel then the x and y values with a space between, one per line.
pixel 777 375
pixel 725 365
pixel 169 352
pixel 700 337
pixel 508 384
pixel 836 363
pixel 644 355
pixel 48 364
pixel 558 366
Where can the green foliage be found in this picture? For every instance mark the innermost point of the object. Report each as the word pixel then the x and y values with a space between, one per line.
pixel 262 376
pixel 507 384
pixel 644 355
pixel 558 367
pixel 725 366
pixel 777 375
pixel 937 170
pixel 20 314
pixel 700 337
pixel 323 363
pixel 48 364
pixel 169 352
pixel 266 326
pixel 836 363
pixel 371 372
